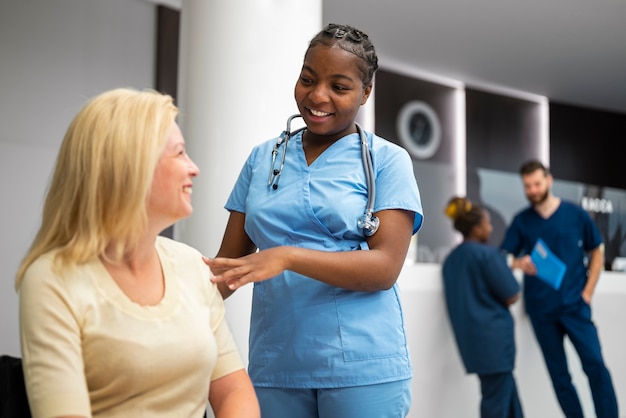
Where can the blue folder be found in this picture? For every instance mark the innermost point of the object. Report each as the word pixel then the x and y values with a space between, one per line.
pixel 550 268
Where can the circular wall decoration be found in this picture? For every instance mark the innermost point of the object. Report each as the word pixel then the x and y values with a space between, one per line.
pixel 419 129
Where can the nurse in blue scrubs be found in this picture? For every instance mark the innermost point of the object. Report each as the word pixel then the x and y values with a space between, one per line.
pixel 327 336
pixel 479 288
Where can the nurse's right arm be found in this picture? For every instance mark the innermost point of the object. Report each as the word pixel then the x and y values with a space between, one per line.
pixel 235 243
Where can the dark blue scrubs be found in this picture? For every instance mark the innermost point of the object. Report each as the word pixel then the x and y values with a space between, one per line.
pixel 554 313
pixel 477 284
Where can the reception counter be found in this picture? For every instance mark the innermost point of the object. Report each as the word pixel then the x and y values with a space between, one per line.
pixel 441 389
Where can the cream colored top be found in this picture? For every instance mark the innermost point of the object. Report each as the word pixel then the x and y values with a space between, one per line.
pixel 88 350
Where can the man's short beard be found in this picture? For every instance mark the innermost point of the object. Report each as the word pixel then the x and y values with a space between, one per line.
pixel 543 198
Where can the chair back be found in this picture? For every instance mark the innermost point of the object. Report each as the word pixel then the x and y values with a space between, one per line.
pixel 13 400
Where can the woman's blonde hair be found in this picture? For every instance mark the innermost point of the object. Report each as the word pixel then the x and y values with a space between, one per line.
pixel 103 174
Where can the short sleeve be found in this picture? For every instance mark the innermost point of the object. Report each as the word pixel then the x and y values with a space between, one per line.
pixel 592 237
pixel 51 345
pixel 239 194
pixel 228 358
pixel 499 277
pixel 396 186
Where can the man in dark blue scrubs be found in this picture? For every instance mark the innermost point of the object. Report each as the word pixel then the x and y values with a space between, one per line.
pixel 560 305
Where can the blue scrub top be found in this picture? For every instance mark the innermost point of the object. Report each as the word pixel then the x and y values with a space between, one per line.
pixel 477 283
pixel 304 333
pixel 570 233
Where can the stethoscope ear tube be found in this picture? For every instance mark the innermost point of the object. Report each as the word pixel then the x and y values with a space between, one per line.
pixel 367 222
pixel 274 175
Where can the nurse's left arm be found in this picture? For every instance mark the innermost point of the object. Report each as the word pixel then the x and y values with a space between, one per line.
pixel 362 270
pixel 596 262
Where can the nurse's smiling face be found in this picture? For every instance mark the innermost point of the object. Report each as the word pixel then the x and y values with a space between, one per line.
pixel 330 91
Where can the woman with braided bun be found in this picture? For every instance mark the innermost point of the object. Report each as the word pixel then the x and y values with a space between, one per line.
pixel 327 335
pixel 479 288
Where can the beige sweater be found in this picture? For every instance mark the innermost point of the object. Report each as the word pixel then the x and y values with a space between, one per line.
pixel 88 350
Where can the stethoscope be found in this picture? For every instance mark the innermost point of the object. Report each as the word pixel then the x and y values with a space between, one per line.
pixel 367 222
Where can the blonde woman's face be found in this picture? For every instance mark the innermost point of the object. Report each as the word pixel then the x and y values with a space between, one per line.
pixel 170 196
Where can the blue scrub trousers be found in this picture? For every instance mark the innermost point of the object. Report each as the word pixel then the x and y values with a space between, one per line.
pixel 576 323
pixel 499 396
pixel 385 400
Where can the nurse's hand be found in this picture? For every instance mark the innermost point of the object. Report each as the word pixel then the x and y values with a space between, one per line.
pixel 256 267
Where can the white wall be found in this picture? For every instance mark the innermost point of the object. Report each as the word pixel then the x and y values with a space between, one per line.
pixel 53 56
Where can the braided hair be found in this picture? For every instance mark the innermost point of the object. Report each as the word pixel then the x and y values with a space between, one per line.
pixel 352 40
pixel 464 214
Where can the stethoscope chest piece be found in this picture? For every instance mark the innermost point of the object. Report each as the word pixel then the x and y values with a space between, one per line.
pixel 368 223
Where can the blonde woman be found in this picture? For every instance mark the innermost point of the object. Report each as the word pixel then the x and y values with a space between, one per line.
pixel 115 320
